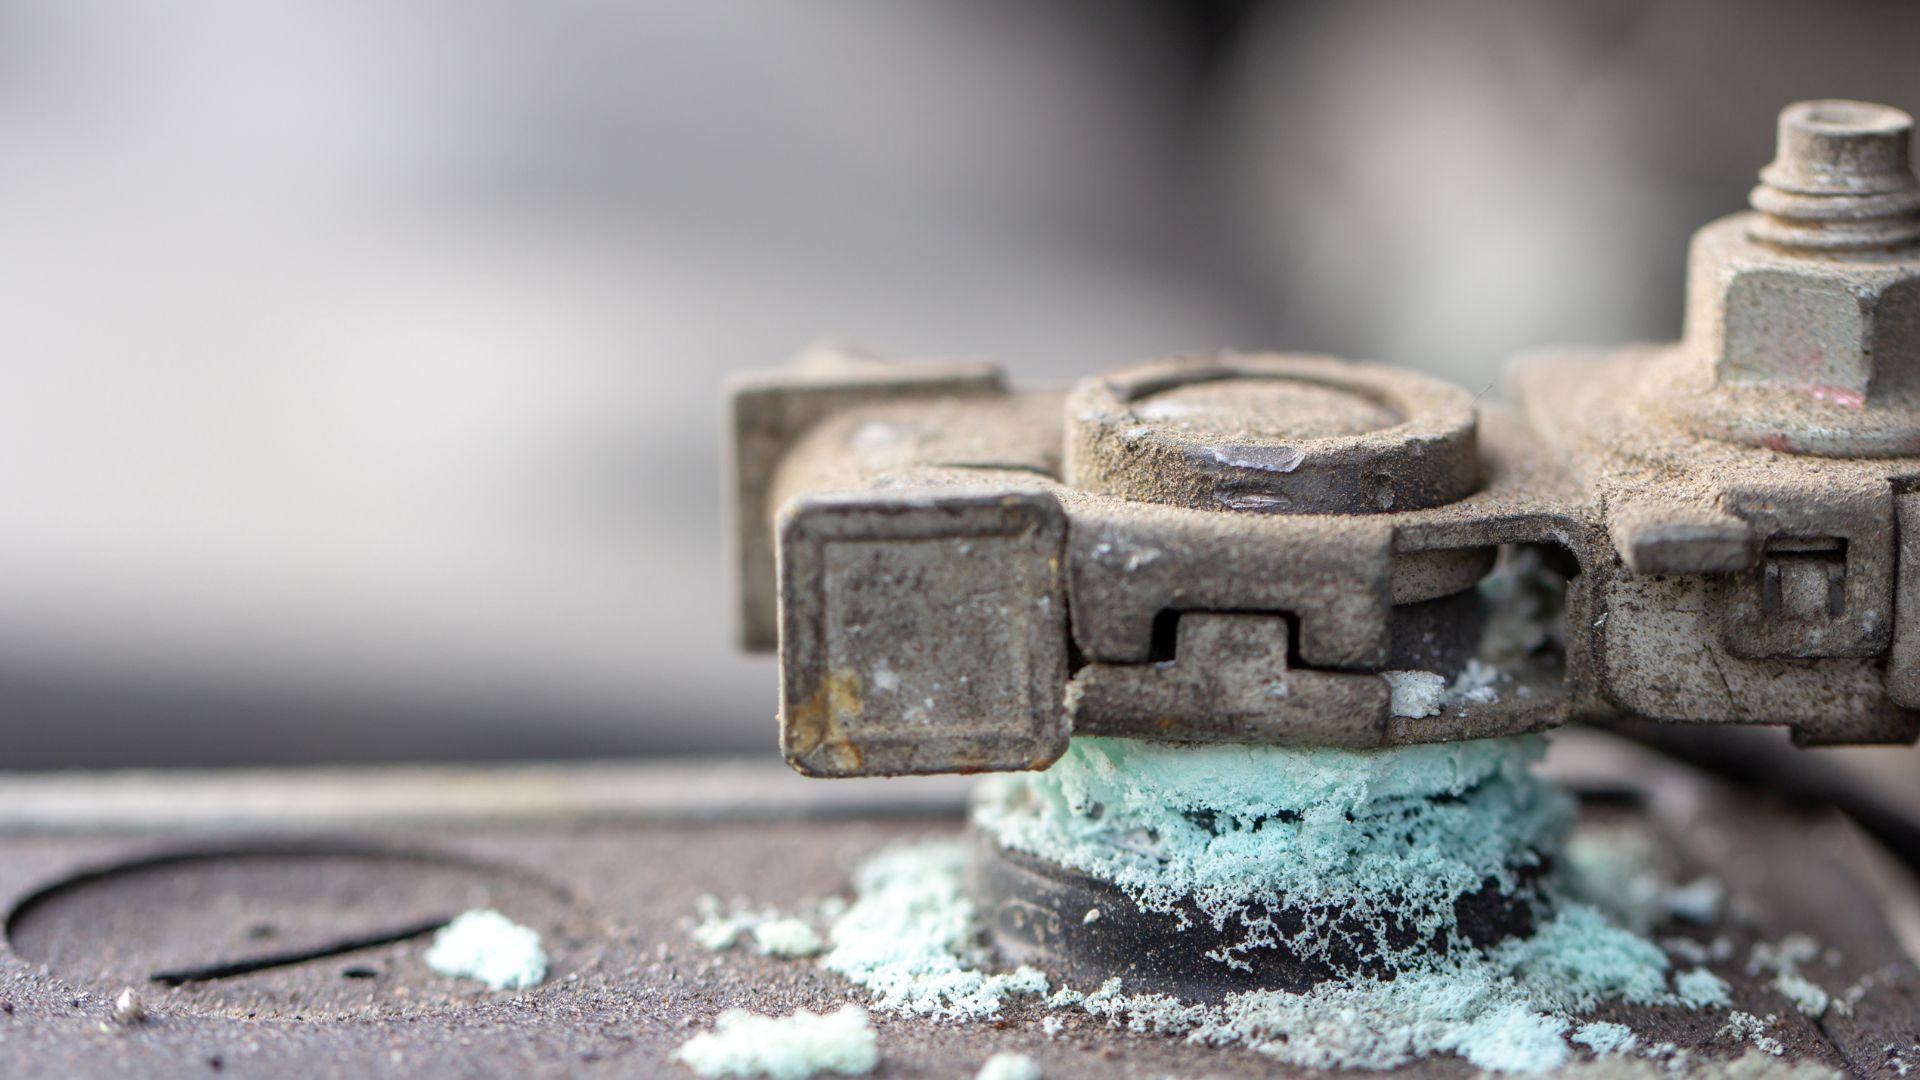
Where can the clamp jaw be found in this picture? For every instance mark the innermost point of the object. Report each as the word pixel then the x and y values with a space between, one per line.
pixel 1259 548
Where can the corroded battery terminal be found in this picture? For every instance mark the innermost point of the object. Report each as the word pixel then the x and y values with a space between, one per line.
pixel 1302 551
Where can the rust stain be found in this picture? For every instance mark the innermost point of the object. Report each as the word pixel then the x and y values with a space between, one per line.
pixel 969 759
pixel 815 728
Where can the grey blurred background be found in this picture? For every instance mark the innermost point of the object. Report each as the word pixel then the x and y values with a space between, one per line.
pixel 362 359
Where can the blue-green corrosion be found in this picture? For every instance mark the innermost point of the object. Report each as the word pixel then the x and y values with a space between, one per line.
pixel 1238 830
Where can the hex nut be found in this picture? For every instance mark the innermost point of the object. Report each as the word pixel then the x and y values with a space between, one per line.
pixel 1834 330
pixel 1803 316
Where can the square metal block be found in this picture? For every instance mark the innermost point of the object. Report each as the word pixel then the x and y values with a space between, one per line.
pixel 921 631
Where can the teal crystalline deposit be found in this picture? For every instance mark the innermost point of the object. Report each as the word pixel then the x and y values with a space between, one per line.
pixel 795 1047
pixel 912 938
pixel 1399 833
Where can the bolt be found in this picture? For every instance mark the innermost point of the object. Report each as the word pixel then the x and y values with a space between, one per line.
pixel 1803 317
pixel 1840 179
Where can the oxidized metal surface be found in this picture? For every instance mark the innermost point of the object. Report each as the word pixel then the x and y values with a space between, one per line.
pixel 1235 547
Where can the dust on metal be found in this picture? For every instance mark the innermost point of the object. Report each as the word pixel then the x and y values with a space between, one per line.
pixel 959 576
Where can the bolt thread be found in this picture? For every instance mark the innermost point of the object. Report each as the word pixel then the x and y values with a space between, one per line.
pixel 1840 180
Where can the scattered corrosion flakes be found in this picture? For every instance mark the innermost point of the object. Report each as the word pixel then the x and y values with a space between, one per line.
pixel 721 927
pixel 1009 1067
pixel 911 938
pixel 796 1047
pixel 788 937
pixel 1698 901
pixel 1806 995
pixel 1783 959
pixel 1417 695
pixel 488 947
pixel 1751 1065
pixel 1702 989
pixel 1746 1027
pixel 1606 1039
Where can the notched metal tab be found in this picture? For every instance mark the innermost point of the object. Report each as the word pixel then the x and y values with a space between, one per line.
pixel 1229 682
pixel 1680 536
pixel 1824 583
pixel 922 630
pixel 1133 561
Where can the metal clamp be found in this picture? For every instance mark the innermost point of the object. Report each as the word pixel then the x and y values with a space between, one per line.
pixel 960 576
